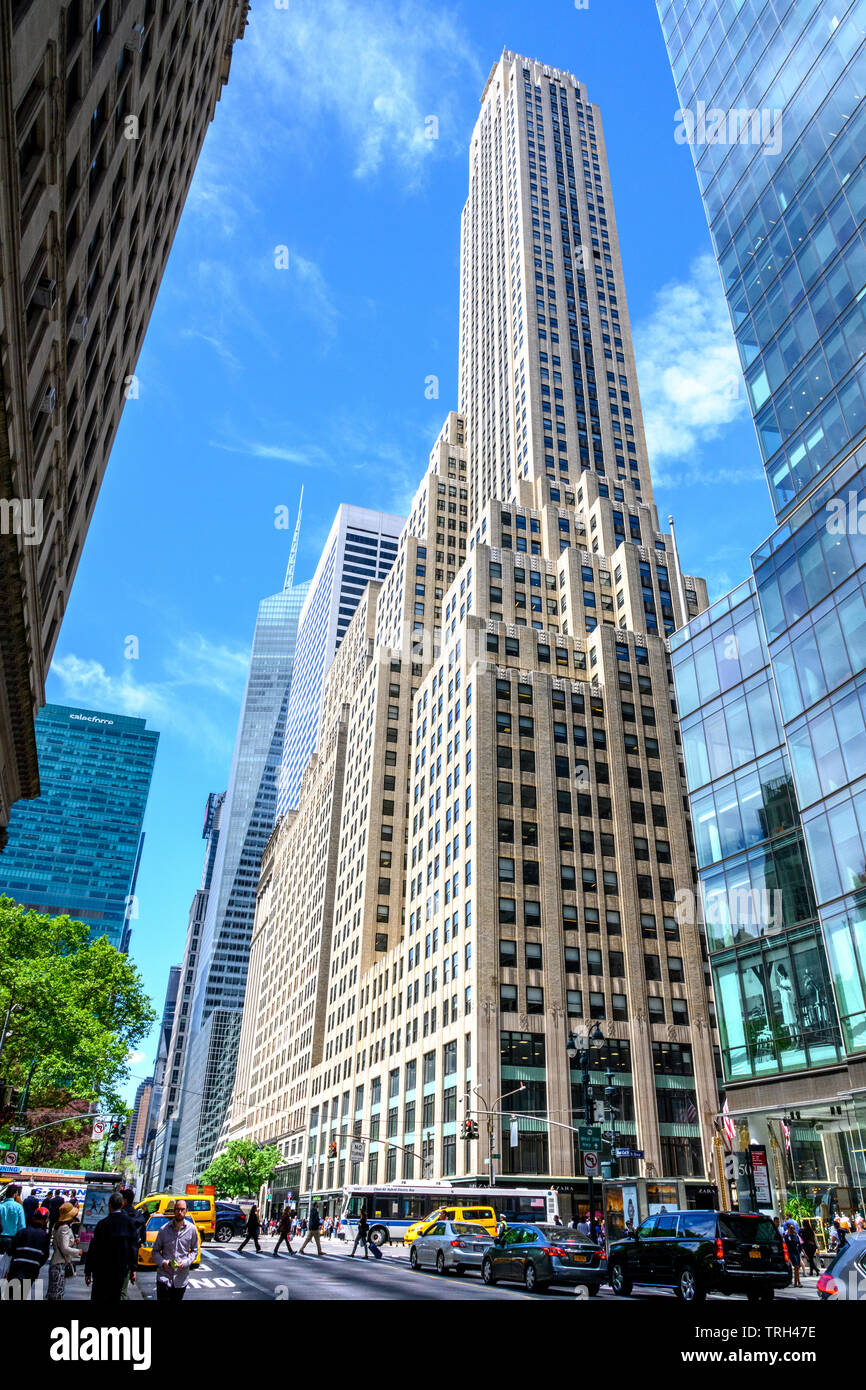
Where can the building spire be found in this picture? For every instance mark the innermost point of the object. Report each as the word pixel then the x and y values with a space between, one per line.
pixel 293 554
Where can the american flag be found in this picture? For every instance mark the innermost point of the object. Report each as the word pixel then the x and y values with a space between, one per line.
pixel 728 1125
pixel 787 1133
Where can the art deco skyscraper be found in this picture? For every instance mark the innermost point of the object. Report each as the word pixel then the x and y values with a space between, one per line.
pixel 104 106
pixel 489 847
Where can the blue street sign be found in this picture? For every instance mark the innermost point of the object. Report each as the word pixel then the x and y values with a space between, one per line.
pixel 628 1153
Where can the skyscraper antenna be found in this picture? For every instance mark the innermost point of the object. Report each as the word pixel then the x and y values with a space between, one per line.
pixel 293 555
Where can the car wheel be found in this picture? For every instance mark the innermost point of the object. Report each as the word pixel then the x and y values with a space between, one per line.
pixel 619 1280
pixel 223 1233
pixel 413 1258
pixel 530 1279
pixel 440 1263
pixel 378 1235
pixel 487 1273
pixel 688 1290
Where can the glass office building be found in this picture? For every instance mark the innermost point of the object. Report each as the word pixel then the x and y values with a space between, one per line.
pixel 785 201
pixel 75 848
pixel 247 818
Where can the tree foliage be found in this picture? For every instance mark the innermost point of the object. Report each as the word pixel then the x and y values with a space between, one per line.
pixel 78 1007
pixel 241 1168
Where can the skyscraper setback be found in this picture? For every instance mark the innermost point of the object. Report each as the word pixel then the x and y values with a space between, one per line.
pixel 489 843
pixel 105 107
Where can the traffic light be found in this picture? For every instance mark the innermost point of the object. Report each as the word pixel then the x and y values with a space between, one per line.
pixel 612 1099
pixel 13 1098
pixel 117 1131
pixel 470 1129
pixel 332 1149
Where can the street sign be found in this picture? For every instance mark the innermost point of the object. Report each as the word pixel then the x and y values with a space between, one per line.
pixel 628 1153
pixel 588 1137
pixel 99 1128
pixel 18 1129
pixel 11 1157
pixel 356 1152
pixel 590 1164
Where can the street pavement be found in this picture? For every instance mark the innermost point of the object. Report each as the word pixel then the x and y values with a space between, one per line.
pixel 226 1273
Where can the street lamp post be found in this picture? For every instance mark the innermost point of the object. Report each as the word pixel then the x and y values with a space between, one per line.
pixel 579 1048
pixel 490 1111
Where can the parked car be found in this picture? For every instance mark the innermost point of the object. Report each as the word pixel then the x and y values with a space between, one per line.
pixel 455 1245
pixel 695 1252
pixel 230 1221
pixel 845 1276
pixel 538 1256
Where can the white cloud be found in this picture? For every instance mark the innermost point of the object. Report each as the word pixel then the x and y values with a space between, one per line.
pixel 377 70
pixel 691 386
pixel 192 663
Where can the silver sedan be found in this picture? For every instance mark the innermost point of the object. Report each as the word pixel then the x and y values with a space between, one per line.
pixel 450 1245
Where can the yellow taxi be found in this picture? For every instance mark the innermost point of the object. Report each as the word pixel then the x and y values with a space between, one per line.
pixel 476 1216
pixel 201 1210
pixel 145 1251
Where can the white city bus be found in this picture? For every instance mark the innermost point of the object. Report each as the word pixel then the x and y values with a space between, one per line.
pixel 391 1208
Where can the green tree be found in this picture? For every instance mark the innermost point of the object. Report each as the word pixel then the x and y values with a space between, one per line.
pixel 77 1007
pixel 241 1168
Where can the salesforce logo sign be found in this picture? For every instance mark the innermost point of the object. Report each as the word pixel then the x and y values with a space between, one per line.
pixel 91 719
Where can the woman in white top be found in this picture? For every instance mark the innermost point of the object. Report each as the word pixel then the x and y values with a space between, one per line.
pixel 62 1254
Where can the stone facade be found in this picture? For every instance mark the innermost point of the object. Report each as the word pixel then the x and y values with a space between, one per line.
pixel 103 111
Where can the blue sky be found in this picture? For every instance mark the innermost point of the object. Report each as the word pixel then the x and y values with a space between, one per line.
pixel 254 379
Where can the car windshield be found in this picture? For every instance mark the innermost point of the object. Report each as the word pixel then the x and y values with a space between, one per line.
pixel 155 1222
pixel 463 1229
pixel 750 1229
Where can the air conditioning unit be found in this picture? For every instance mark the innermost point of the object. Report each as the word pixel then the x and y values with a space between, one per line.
pixel 78 331
pixel 49 401
pixel 135 42
pixel 45 294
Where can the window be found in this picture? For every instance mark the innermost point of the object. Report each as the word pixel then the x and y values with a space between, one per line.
pixel 534 1000
pixel 533 955
pixel 508 953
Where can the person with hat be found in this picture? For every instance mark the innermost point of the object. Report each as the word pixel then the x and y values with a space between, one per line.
pixel 62 1265
pixel 29 1250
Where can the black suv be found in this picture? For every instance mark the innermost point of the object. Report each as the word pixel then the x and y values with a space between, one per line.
pixel 230 1221
pixel 698 1252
